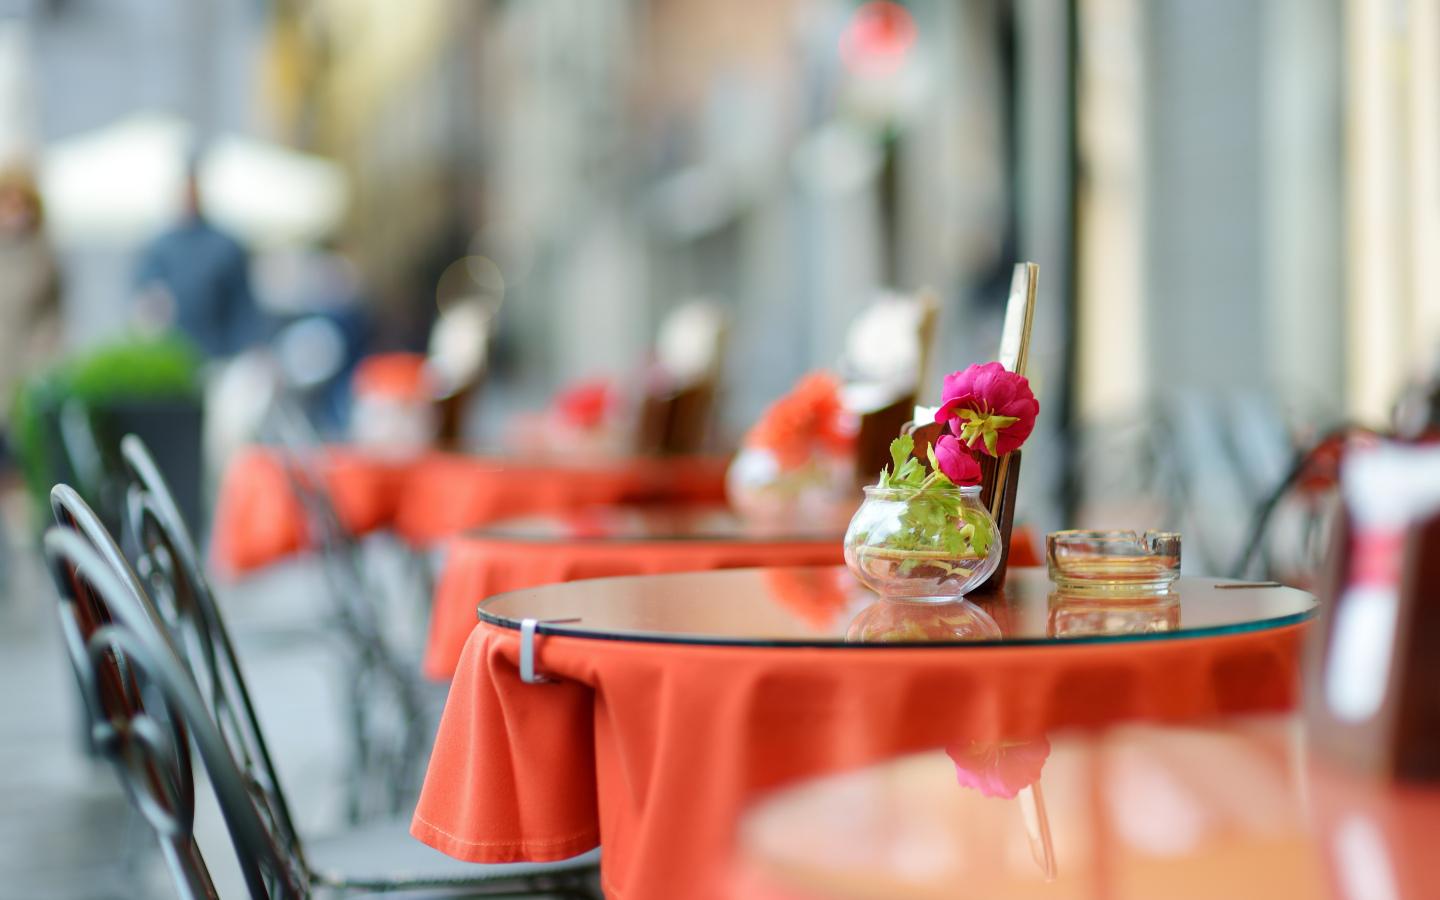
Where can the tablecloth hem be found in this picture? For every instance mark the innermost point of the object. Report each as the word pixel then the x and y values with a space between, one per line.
pixel 535 850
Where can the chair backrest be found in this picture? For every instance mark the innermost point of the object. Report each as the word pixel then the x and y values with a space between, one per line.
pixel 71 511
pixel 143 711
pixel 382 688
pixel 167 561
pixel 459 355
pixel 886 354
pixel 676 413
pixel 340 553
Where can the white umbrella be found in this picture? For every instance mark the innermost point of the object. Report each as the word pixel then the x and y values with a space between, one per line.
pixel 124 182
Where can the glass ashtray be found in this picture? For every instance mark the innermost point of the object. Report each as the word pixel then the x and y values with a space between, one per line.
pixel 1113 561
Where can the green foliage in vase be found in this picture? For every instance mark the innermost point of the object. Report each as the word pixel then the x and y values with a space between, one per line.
pixel 934 522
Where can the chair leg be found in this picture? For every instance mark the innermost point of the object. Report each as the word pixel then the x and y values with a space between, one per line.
pixel 359 761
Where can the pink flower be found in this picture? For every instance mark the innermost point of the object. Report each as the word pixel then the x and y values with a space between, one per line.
pixel 988 407
pixel 999 769
pixel 956 462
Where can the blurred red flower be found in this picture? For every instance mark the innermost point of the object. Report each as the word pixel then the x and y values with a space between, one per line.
pixel 811 414
pixel 988 408
pixel 585 405
pixel 400 375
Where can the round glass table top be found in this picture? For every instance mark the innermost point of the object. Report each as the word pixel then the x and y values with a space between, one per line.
pixel 659 522
pixel 826 606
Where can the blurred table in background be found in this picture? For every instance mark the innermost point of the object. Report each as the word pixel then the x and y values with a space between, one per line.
pixel 600 541
pixel 447 493
pixel 258 519
pixel 1234 809
pixel 674 700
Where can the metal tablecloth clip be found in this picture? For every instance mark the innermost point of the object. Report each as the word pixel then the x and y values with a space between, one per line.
pixel 527 650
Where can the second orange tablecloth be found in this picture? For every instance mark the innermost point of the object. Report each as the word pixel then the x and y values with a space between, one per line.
pixel 480 567
pixel 653 749
pixel 447 493
pixel 259 521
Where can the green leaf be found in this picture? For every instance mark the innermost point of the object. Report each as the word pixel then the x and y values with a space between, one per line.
pixel 900 450
pixel 980 535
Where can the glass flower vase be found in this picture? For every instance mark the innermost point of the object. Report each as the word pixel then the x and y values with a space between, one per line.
pixel 931 544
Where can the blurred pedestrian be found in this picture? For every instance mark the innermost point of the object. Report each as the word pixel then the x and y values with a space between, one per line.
pixel 196 278
pixel 29 285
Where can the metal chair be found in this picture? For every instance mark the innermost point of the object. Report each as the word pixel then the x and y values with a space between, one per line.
pixel 392 712
pixel 377 857
pixel 169 562
pixel 143 712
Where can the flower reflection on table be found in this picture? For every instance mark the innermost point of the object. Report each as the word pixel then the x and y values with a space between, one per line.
pixel 1010 770
pixel 891 621
pixel 819 596
pixel 1100 613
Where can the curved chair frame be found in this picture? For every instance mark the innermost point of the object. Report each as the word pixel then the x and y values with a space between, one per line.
pixel 169 563
pixel 385 757
pixel 143 712
pixel 168 560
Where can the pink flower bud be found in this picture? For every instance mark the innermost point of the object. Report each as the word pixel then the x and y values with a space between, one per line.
pixel 955 461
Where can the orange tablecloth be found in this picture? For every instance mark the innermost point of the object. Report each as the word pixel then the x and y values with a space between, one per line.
pixel 479 567
pixel 447 493
pixel 258 520
pixel 653 749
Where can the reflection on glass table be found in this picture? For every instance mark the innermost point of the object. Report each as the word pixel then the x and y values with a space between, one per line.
pixel 660 522
pixel 910 622
pixel 1094 613
pixel 816 607
pixel 1235 809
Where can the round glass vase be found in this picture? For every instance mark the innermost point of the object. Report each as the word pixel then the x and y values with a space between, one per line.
pixel 933 544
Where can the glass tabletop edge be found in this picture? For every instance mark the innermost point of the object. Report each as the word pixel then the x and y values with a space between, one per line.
pixel 840 644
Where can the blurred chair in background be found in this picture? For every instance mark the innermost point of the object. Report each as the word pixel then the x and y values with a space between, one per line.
pixel 394 409
pixel 887 353
pixel 1290 534
pixel 406 403
pixel 677 412
pixel 458 360
pixel 390 710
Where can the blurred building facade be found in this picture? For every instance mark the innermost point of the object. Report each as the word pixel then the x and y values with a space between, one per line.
pixel 1230 202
